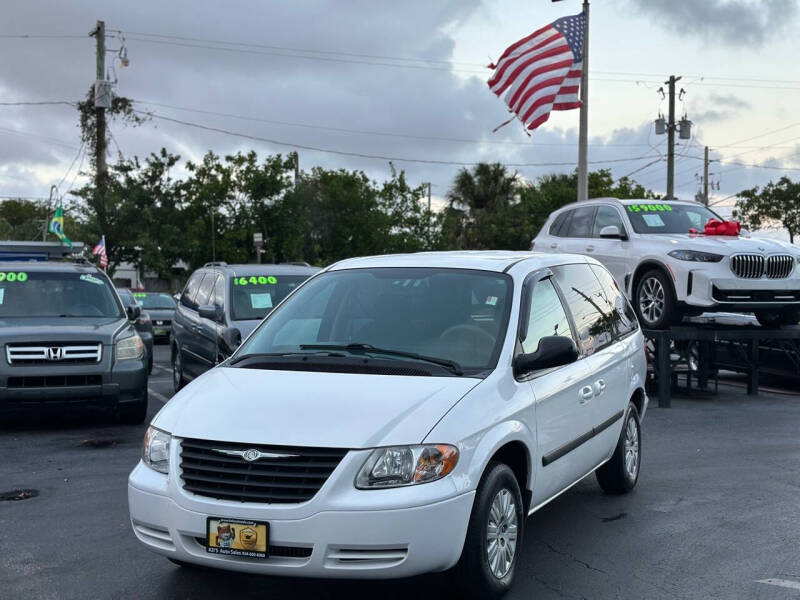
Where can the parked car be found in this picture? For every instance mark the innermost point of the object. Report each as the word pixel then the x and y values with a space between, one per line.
pixel 669 272
pixel 399 415
pixel 161 308
pixel 67 339
pixel 219 307
pixel 143 324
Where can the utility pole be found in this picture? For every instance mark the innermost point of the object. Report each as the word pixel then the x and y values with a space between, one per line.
pixel 99 33
pixel 671 138
pixel 705 177
pixel 583 131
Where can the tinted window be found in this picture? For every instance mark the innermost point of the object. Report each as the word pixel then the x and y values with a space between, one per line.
pixel 580 225
pixel 623 318
pixel 189 292
pixel 204 292
pixel 555 228
pixel 661 217
pixel 218 297
pixel 588 304
pixel 546 317
pixel 454 314
pixel 254 296
pixel 127 297
pixel 55 294
pixel 154 301
pixel 607 215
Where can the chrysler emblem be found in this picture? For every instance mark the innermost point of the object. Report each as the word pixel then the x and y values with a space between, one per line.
pixel 252 454
pixel 55 353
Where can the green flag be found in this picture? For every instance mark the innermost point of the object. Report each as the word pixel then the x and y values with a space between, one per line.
pixel 57 226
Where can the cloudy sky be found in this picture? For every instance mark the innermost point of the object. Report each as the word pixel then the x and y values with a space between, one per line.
pixel 403 80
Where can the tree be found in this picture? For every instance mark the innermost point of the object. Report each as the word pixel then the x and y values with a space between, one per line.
pixel 775 204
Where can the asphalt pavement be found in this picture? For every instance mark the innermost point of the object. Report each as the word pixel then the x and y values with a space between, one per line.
pixel 715 515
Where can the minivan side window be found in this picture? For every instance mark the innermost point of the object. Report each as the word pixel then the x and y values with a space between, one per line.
pixel 190 291
pixel 206 288
pixel 624 319
pixel 546 316
pixel 606 215
pixel 588 304
pixel 580 226
pixel 555 228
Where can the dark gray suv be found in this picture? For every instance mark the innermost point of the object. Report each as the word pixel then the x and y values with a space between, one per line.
pixel 220 305
pixel 66 338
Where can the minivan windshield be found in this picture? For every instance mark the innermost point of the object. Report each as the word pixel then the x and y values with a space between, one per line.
pixel 253 296
pixel 661 217
pixel 56 294
pixel 446 315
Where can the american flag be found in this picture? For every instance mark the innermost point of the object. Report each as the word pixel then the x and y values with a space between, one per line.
pixel 100 250
pixel 542 72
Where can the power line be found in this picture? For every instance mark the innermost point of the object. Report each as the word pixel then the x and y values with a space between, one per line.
pixel 39 36
pixel 72 164
pixel 36 135
pixel 48 103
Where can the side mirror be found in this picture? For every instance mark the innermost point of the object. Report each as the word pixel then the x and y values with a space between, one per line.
pixel 231 340
pixel 612 232
pixel 553 351
pixel 133 311
pixel 176 296
pixel 210 311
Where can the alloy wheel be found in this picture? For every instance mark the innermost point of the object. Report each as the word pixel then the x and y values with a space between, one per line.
pixel 652 300
pixel 177 370
pixel 501 533
pixel 632 448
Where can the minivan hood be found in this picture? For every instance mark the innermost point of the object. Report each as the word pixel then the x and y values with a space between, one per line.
pixel 58 329
pixel 298 408
pixel 724 244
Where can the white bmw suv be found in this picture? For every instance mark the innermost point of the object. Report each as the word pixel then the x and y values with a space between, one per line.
pixel 397 415
pixel 669 272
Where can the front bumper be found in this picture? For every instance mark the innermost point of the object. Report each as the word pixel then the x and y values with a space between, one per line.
pixel 709 286
pixel 330 542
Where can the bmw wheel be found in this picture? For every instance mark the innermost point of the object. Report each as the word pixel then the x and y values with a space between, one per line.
pixel 494 536
pixel 654 301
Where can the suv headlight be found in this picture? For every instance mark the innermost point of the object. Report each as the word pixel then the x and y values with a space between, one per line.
pixel 406 465
pixel 696 256
pixel 155 450
pixel 130 347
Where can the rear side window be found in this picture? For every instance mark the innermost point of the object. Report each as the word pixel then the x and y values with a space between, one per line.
pixel 190 291
pixel 606 215
pixel 546 316
pixel 580 226
pixel 589 305
pixel 623 318
pixel 555 228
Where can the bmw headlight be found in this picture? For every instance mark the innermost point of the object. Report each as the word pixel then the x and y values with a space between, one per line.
pixel 155 450
pixel 406 465
pixel 130 347
pixel 696 256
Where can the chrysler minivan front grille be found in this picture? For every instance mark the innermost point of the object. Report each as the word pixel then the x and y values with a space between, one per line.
pixel 256 473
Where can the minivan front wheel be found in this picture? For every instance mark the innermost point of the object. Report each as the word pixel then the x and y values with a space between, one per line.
pixel 494 536
pixel 620 474
pixel 178 380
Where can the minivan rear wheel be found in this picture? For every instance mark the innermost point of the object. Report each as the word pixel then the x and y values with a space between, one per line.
pixel 620 474
pixel 494 536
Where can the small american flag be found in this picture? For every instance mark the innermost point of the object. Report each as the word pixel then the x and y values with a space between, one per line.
pixel 100 250
pixel 542 72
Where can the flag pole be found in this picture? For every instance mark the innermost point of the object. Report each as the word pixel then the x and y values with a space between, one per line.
pixel 583 134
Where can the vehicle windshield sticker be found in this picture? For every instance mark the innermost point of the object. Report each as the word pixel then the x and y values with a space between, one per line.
pixel 635 208
pixel 261 300
pixel 253 280
pixel 140 295
pixel 92 279
pixel 11 277
pixel 491 300
pixel 653 220
pixel 2 294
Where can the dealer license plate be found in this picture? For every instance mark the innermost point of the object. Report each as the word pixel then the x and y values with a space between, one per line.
pixel 159 330
pixel 237 537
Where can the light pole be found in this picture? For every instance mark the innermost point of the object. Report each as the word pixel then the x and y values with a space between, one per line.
pixel 258 242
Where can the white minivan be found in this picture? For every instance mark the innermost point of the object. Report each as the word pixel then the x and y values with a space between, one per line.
pixel 397 415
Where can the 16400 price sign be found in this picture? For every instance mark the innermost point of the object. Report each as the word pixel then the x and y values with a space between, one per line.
pixel 253 280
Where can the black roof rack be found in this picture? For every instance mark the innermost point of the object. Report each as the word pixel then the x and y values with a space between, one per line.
pixel 296 263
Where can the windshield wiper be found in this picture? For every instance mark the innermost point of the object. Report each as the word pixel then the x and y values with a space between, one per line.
pixel 360 348
pixel 268 355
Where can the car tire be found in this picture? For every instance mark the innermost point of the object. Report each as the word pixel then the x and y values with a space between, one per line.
pixel 620 474
pixel 654 300
pixel 178 381
pixel 134 413
pixel 777 318
pixel 477 574
pixel 150 365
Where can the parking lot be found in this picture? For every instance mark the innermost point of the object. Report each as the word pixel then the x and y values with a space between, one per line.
pixel 714 515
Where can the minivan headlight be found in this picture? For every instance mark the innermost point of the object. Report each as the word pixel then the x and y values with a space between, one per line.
pixel 130 347
pixel 406 465
pixel 155 450
pixel 696 256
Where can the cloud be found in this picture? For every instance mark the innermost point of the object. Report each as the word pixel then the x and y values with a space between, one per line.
pixel 718 107
pixel 736 22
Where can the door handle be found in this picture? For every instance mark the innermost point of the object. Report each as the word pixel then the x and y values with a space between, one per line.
pixel 599 387
pixel 586 394
pixel 590 248
pixel 554 245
